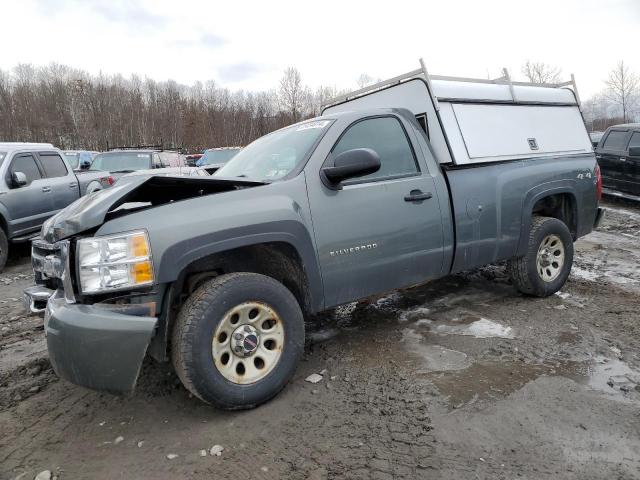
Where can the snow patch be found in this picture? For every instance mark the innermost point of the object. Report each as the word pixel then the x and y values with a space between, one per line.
pixel 483 328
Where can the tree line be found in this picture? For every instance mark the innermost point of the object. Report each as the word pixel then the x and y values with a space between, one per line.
pixel 76 110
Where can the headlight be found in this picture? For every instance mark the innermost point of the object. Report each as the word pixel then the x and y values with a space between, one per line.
pixel 114 262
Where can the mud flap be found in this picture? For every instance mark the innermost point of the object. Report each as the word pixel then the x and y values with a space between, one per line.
pixel 599 217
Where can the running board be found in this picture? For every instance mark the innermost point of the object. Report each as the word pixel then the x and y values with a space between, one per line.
pixel 625 196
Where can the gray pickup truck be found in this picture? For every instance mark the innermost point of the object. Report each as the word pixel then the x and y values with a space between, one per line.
pixel 36 182
pixel 217 273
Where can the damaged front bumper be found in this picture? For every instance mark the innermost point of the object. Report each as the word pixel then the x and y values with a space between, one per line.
pixel 97 346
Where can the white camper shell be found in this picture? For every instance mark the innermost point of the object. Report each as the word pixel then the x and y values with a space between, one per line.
pixel 473 121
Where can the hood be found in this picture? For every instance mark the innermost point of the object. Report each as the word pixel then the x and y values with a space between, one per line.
pixel 132 194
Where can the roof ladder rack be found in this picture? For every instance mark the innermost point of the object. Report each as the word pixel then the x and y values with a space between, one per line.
pixel 423 73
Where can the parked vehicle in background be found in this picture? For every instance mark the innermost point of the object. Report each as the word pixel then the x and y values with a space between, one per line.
pixel 171 172
pixel 618 155
pixel 36 181
pixel 407 181
pixel 172 159
pixel 595 138
pixel 192 159
pixel 120 162
pixel 79 159
pixel 217 157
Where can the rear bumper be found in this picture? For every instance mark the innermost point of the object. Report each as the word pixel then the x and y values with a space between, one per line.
pixel 599 217
pixel 94 347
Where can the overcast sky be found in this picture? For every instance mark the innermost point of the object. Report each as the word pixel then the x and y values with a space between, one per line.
pixel 245 44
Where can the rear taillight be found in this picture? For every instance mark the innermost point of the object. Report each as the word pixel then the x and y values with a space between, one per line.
pixel 107 180
pixel 598 183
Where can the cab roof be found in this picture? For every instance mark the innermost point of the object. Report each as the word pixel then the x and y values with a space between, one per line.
pixel 9 146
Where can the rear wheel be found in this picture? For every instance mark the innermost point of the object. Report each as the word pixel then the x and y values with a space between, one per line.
pixel 545 267
pixel 4 249
pixel 237 340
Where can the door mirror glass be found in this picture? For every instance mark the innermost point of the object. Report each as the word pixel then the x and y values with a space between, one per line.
pixel 634 151
pixel 356 162
pixel 18 179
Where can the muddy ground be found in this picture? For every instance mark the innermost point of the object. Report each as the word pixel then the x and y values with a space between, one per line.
pixel 460 378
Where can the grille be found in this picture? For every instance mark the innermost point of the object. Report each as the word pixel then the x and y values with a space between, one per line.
pixel 50 262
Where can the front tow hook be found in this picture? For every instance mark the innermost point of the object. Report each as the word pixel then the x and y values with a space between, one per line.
pixel 35 299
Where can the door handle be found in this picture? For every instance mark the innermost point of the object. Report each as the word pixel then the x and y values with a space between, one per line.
pixel 417 196
pixel 622 159
pixel 46 189
pixel 73 185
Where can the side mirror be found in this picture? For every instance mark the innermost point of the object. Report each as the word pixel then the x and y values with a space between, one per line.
pixel 634 151
pixel 357 162
pixel 84 165
pixel 18 179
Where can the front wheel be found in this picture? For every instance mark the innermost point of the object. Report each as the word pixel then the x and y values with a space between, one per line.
pixel 545 267
pixel 238 340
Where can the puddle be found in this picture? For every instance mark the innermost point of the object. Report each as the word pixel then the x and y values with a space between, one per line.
pixel 487 380
pixel 613 377
pixel 494 380
pixel 434 358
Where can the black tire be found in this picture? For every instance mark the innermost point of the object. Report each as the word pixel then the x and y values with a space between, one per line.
pixel 197 322
pixel 524 270
pixel 4 249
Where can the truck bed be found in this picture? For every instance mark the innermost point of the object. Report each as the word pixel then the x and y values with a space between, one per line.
pixel 492 203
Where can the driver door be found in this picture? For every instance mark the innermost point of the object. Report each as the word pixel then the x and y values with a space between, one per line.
pixel 31 204
pixel 371 236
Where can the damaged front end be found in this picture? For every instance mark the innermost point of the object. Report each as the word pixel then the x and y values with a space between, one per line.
pixel 98 339
pixel 133 194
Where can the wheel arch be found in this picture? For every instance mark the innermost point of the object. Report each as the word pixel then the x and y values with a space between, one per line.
pixel 557 201
pixel 281 256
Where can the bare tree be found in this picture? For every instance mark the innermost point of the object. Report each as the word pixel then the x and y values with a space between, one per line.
pixel 292 93
pixel 623 88
pixel 364 79
pixel 540 72
pixel 73 109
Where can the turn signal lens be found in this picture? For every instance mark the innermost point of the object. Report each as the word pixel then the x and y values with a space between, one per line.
pixel 142 272
pixel 138 245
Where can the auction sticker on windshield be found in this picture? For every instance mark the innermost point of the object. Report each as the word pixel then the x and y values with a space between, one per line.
pixel 318 124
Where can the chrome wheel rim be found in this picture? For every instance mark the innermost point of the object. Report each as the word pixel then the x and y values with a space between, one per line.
pixel 550 258
pixel 248 343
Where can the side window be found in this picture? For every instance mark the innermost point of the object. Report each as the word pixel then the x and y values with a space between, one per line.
pixel 157 163
pixel 53 165
pixel 635 140
pixel 615 140
pixel 26 164
pixel 387 138
pixel 422 121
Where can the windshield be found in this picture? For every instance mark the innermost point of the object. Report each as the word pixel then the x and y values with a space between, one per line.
pixel 213 157
pixel 2 155
pixel 121 161
pixel 275 155
pixel 73 159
